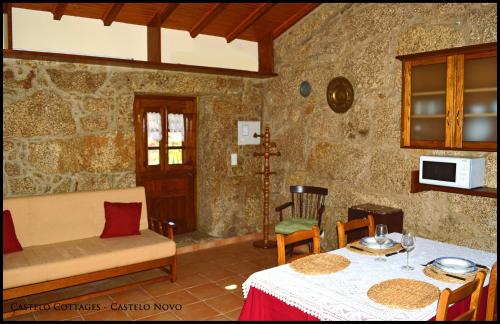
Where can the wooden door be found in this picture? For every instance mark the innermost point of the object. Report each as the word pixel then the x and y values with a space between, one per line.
pixel 165 130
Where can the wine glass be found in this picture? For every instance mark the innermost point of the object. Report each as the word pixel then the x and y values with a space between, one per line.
pixel 380 237
pixel 408 243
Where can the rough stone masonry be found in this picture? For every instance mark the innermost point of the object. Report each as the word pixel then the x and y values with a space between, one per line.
pixel 69 127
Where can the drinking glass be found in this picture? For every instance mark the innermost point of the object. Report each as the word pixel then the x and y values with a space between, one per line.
pixel 408 243
pixel 380 237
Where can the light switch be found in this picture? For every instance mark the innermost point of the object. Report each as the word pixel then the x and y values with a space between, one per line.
pixel 246 129
pixel 234 159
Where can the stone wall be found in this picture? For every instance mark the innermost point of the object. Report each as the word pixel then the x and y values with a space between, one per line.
pixel 357 155
pixel 69 127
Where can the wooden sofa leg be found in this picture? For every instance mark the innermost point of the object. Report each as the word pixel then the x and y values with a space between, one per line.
pixel 173 270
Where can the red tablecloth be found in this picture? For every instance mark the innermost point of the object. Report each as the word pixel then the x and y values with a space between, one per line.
pixel 260 306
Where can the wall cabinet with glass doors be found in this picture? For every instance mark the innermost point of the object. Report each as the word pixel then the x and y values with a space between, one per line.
pixel 449 99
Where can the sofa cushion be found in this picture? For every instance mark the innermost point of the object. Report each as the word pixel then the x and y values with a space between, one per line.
pixel 59 260
pixel 121 219
pixel 10 241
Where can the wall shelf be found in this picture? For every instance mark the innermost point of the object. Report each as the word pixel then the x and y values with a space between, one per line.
pixel 442 92
pixel 473 115
pixel 468 115
pixel 475 90
pixel 428 116
pixel 416 186
pixel 428 93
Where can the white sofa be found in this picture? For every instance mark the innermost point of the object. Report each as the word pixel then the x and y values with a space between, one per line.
pixel 61 245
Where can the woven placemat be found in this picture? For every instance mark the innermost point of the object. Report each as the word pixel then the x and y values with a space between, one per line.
pixel 438 274
pixel 318 264
pixel 404 293
pixel 374 252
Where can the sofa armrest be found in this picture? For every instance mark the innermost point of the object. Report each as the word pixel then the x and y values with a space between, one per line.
pixel 170 229
pixel 163 226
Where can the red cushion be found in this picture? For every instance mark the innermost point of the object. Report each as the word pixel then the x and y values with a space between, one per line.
pixel 121 219
pixel 10 241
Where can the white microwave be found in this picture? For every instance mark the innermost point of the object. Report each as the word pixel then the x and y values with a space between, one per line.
pixel 452 171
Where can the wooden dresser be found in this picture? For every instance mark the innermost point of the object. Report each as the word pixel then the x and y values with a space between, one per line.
pixel 392 217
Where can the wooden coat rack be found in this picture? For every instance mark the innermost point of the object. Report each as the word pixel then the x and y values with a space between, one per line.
pixel 265 243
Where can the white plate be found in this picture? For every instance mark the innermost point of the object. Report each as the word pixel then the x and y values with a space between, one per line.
pixel 370 242
pixel 455 265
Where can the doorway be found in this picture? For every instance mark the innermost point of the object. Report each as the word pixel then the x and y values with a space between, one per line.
pixel 165 133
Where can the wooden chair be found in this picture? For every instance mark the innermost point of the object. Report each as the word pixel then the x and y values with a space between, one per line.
pixel 448 297
pixel 284 240
pixel 306 209
pixel 491 306
pixel 307 203
pixel 342 228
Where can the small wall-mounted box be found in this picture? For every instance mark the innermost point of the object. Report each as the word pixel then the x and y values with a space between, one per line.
pixel 246 129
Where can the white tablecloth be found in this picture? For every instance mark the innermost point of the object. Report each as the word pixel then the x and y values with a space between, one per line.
pixel 342 295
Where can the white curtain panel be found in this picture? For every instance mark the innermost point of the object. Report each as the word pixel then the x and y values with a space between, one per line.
pixel 176 124
pixel 154 126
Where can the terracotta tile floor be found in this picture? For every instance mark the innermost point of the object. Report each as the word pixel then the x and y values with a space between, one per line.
pixel 193 238
pixel 208 287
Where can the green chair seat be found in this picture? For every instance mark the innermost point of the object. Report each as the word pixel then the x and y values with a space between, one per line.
pixel 292 225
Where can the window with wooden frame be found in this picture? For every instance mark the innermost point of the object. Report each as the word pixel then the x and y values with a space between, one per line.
pixel 449 99
pixel 167 139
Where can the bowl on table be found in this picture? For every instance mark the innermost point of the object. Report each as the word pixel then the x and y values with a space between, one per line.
pixel 370 242
pixel 454 265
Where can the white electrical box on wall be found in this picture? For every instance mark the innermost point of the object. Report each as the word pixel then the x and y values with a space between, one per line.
pixel 246 129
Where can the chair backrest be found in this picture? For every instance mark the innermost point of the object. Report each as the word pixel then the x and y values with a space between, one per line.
pixel 307 201
pixel 342 228
pixel 55 218
pixel 283 240
pixel 491 306
pixel 448 297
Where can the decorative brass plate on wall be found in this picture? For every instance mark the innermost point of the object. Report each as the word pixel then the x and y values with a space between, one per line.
pixel 340 94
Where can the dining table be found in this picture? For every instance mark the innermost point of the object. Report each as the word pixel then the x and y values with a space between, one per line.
pixel 281 293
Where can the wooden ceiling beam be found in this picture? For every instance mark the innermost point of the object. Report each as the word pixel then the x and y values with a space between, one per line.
pixel 154 44
pixel 58 11
pixel 7 9
pixel 160 18
pixel 294 19
pixel 248 21
pixel 112 12
pixel 196 18
pixel 266 54
pixel 207 18
pixel 85 59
